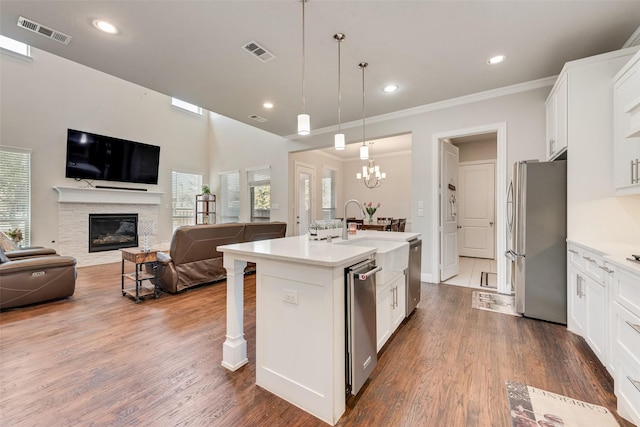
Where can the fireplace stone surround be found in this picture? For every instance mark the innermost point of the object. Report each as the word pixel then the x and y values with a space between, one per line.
pixel 74 207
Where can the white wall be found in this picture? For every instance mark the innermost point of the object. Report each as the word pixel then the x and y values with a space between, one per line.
pixel 478 150
pixel 237 146
pixel 41 99
pixel 523 111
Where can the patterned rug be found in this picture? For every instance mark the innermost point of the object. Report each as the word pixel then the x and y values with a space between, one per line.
pixel 497 303
pixel 533 407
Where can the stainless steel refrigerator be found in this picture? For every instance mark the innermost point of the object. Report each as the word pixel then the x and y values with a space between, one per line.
pixel 537 220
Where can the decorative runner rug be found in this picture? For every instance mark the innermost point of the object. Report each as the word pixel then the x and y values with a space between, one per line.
pixel 533 407
pixel 490 301
pixel 488 280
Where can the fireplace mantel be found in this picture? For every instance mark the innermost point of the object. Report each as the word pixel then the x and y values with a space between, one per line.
pixel 110 196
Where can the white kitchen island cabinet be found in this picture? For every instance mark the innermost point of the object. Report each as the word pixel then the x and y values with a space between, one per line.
pixel 300 318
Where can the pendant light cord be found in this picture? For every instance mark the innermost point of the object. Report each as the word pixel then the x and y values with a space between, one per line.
pixel 363 65
pixel 339 88
pixel 303 59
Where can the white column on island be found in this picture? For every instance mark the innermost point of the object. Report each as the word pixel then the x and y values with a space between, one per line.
pixel 234 349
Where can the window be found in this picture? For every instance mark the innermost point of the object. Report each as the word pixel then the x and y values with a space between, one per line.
pixel 184 188
pixel 328 193
pixel 259 183
pixel 186 106
pixel 15 191
pixel 14 46
pixel 230 196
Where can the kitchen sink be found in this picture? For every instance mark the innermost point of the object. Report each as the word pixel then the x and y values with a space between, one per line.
pixel 392 256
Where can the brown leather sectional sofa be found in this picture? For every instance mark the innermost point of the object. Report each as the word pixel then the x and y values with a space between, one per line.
pixel 193 258
pixel 35 275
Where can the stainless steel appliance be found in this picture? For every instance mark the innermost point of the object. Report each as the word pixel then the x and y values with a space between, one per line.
pixel 413 275
pixel 361 355
pixel 537 222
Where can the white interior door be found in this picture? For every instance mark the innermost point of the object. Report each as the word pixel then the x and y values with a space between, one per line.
pixel 305 184
pixel 448 211
pixel 476 235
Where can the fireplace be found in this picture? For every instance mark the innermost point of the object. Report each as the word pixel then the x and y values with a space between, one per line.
pixel 108 232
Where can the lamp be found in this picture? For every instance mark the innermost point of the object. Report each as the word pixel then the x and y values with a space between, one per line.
pixel 364 150
pixel 339 137
pixel 304 121
pixel 146 228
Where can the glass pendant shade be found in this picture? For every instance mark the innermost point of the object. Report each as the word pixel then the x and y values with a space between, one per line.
pixel 364 152
pixel 304 124
pixel 339 141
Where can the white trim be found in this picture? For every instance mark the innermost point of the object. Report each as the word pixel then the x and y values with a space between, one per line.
pixel 257 168
pixel 501 182
pixel 16 149
pixel 440 105
pixel 109 196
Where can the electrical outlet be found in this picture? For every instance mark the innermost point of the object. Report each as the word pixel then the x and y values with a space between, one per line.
pixel 290 296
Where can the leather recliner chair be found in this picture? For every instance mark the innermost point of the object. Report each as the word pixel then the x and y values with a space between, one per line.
pixel 35 275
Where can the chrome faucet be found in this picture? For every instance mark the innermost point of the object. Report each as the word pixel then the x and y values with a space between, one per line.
pixel 345 231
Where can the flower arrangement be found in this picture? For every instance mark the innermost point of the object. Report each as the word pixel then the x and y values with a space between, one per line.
pixel 15 235
pixel 319 230
pixel 371 209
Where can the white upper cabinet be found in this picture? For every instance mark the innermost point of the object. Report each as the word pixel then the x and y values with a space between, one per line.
pixel 557 107
pixel 626 128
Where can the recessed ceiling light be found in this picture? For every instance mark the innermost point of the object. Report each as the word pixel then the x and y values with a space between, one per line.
pixel 268 105
pixel 496 59
pixel 104 26
pixel 390 88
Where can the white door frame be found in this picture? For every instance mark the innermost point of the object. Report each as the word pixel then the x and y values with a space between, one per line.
pixel 296 172
pixel 501 188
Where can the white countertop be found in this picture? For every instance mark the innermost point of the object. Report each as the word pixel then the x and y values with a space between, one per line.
pixel 614 253
pixel 300 249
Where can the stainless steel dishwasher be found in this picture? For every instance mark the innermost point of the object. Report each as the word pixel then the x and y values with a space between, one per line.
pixel 413 275
pixel 360 324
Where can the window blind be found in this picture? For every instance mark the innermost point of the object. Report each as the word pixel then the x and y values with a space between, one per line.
pixel 184 188
pixel 230 196
pixel 15 191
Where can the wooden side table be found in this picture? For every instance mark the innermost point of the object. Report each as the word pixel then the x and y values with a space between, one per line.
pixel 141 259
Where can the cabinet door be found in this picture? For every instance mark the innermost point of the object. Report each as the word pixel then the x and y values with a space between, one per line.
pixel 399 287
pixel 596 318
pixel 626 151
pixel 562 109
pixel 557 116
pixel 576 301
pixel 383 315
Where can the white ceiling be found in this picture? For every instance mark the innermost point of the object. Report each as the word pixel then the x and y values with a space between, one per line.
pixel 435 50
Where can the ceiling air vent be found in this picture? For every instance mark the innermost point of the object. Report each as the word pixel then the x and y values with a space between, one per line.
pixel 257 118
pixel 258 51
pixel 44 31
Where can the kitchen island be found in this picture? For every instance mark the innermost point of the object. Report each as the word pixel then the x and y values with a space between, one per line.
pixel 300 316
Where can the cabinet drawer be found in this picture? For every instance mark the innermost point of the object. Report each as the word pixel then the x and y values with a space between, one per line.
pixel 626 334
pixel 626 290
pixel 627 386
pixel 574 255
pixel 593 265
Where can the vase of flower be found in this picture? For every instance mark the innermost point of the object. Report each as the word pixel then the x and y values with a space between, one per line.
pixel 370 209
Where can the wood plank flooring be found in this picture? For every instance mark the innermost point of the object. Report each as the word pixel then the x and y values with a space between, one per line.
pixel 99 359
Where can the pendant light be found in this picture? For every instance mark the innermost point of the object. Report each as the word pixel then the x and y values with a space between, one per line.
pixel 339 137
pixel 304 121
pixel 364 150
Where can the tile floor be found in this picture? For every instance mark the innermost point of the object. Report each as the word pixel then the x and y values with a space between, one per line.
pixel 469 271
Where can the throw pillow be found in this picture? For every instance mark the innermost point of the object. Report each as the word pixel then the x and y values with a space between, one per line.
pixel 6 243
pixel 3 257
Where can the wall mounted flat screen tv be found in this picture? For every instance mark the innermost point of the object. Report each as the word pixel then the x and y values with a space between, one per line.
pixel 92 156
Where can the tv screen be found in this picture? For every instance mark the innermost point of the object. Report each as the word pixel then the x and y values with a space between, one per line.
pixel 92 156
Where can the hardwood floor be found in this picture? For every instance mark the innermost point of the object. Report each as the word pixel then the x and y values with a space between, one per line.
pixel 100 359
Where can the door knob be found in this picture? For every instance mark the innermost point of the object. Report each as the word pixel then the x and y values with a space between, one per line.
pixel 491 223
pixel 459 227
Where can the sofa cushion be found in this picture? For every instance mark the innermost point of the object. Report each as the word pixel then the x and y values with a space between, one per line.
pixel 199 242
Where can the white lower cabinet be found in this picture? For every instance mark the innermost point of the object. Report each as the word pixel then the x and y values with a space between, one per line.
pixel 625 341
pixel 390 308
pixel 596 318
pixel 588 299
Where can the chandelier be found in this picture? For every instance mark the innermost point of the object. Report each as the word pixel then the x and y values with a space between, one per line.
pixel 371 174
